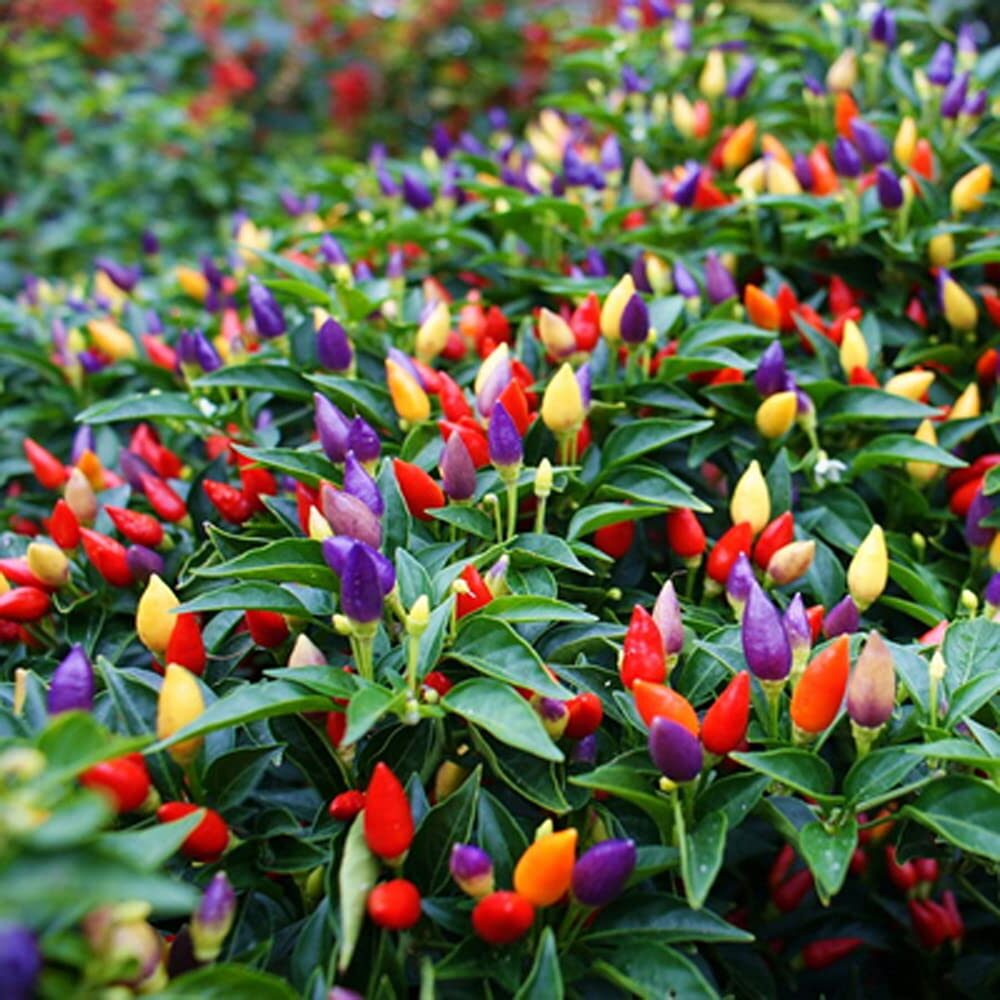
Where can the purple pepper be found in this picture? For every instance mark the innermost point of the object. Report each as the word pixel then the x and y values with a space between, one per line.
pixel 871 690
pixel 797 628
pixel 291 203
pixel 941 68
pixel 441 141
pixel 992 593
pixel 213 918
pixel 667 615
pixel 72 684
pixel 498 379
pixel 684 283
pixel 869 142
pixel 682 35
pixel 83 441
pixel 741 580
pixel 498 119
pixel 585 750
pixel 472 869
pixel 363 441
pixel 890 191
pixel 267 315
pixel 954 96
pixel 90 362
pixel 813 84
pixel 846 159
pixel 143 562
pixel 739 82
pixel 765 644
pixel 583 380
pixel 206 356
pixel 595 265
pixel 719 284
pixel 213 275
pixel 331 251
pixel 361 594
pixel 685 191
pixel 505 445
pixel 360 484
pixel 883 28
pixel 133 468
pixel 634 325
pixel 610 155
pixel 20 961
pixel 975 104
pixel 332 346
pixel 601 872
pixel 674 750
pixel 395 266
pixel 386 185
pixel 349 516
pixel 335 552
pixel 633 82
pixel 771 372
pixel 121 276
pixel 416 194
pixel 976 534
pixel 458 473
pixel 332 427
pixel 803 171
pixel 149 243
pixel 843 617
pixel 154 324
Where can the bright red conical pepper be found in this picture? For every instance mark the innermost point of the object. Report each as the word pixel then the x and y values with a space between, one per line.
pixel 64 528
pixel 685 535
pixel 726 550
pixel 107 556
pixel 779 533
pixel 479 594
pixel 454 404
pixel 208 841
pixel 162 498
pixel 388 822
pixel 142 529
pixel 585 715
pixel 24 604
pixel 187 646
pixel 124 779
pixel 48 470
pixel 827 951
pixel 725 723
pixel 419 491
pixel 267 628
pixel 642 651
pixel 228 501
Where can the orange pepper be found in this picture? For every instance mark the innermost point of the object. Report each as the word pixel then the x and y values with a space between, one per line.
pixel 545 870
pixel 824 176
pixel 738 148
pixel 845 109
pixel 657 700
pixel 820 692
pixel 408 397
pixel 761 308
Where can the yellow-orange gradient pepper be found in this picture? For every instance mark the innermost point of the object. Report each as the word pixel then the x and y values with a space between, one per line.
pixel 408 397
pixel 545 870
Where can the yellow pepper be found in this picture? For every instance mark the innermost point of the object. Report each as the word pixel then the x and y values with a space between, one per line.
pixel 193 283
pixel 111 339
pixel 408 397
pixel 682 115
pixel 80 497
pixel 941 249
pixel 751 500
pixel 545 870
pixel 967 405
pixel 498 356
pixel 556 334
pixel 781 180
pixel 153 619
pixel 562 403
pixel 712 80
pixel 993 555
pixel 959 308
pixel 923 472
pixel 614 305
pixel 843 72
pixel 180 703
pixel 432 337
pixel 911 385
pixel 853 348
pixel 868 572
pixel 968 191
pixel 319 526
pixel 48 563
pixel 776 415
pixel 905 142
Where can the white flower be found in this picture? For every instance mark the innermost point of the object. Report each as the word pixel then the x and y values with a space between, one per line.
pixel 828 470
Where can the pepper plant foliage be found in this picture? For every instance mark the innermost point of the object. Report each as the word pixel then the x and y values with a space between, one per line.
pixel 558 564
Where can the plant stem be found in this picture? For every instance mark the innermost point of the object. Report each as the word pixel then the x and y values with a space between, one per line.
pixel 511 506
pixel 540 515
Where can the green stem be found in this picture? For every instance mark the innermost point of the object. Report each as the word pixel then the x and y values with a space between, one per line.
pixel 680 829
pixel 412 662
pixel 540 515
pixel 511 506
pixel 897 793
pixel 979 897
pixel 194 782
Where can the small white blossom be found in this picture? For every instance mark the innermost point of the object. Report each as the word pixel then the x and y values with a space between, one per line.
pixel 828 470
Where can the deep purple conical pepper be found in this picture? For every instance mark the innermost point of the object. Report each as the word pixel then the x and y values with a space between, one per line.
pixel 954 96
pixel 348 515
pixel 333 347
pixel 143 562
pixel 154 324
pixel 585 750
pixel 684 283
pixel 843 617
pixel 601 872
pixel 765 644
pixel 205 355
pixel 83 441
pixel 363 440
pixel 890 191
pixel 771 373
pixel 331 251
pixel 213 275
pixel 741 580
pixel 267 315
pixel 213 918
pixel 149 243
pixel 674 750
pixel 976 534
pixel 594 264
pixel 611 154
pixel 975 104
pixel 639 276
pixel 360 484
pixel 846 159
pixel 91 362
pixel 941 68
pixel 332 427
pixel 739 82
pixel 634 324
pixel 685 191
pixel 803 171
pixel 386 185
pixel 504 440
pixel 869 142
pixel 361 594
pixel 796 624
pixel 458 472
pixel 441 141
pixel 992 593
pixel 20 961
pixel 883 28
pixel 719 283
pixel 416 194
pixel 123 277
pixel 335 552
pixel 72 684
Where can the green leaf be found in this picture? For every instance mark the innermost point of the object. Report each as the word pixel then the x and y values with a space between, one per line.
pixel 246 596
pixel 545 980
pixel 589 519
pixel 971 696
pixel 650 484
pixel 288 560
pixel 356 396
pixel 897 449
pixel 142 406
pixel 308 466
pixel 963 811
pixel 970 648
pixel 858 405
pixel 662 918
pixel 356 878
pixel 493 648
pixel 828 854
pixel 529 608
pixel 735 795
pixel 249 703
pixel 547 550
pixel 366 707
pixel 228 982
pixel 641 436
pixel 329 681
pixel 538 781
pixel 654 972
pixel 798 769
pixel 633 778
pixel 701 862
pixel 470 519
pixel 258 376
pixel 147 849
pixel 502 712
pixel 449 822
pixel 877 773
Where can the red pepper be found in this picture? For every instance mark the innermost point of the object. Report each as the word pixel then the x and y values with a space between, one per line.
pixel 305 500
pixel 137 527
pixel 208 840
pixel 787 303
pixel 347 805
pixel 63 526
pixel 437 681
pixel 815 615
pixel 779 533
pixel 841 297
pixel 961 500
pixel 419 491
pixel 256 482
pixel 685 535
pixel 124 779
pixel 725 723
pixel 859 863
pixel 473 437
pixel 585 715
pixel 336 726
pixel 162 498
pixel 903 876
pixel 642 651
pixel 454 404
pixel 24 604
pixel 160 354
pixel 186 646
pixel 48 470
pixel 615 539
pixel 515 402
pixel 726 550
pixel 502 917
pixel 916 313
pixel 16 570
pixel 927 870
pixel 267 628
pixel 828 951
pixel 388 822
pixel 146 445
pixel 394 905
pixel 107 556
pixel 228 501
pixel 479 594
pixel 789 895
pixel 586 322
pixel 986 365
pixel 781 866
pixel 975 471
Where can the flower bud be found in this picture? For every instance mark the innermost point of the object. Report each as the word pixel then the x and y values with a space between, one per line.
pixel 213 918
pixel 472 869
pixel 633 327
pixel 739 583
pixel 601 872
pixel 332 427
pixel 543 479
pixel 458 473
pixel 504 441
